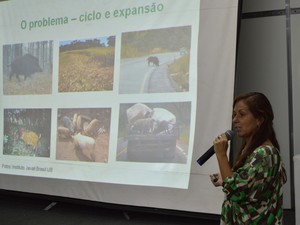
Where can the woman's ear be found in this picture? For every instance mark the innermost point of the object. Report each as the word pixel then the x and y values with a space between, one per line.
pixel 259 122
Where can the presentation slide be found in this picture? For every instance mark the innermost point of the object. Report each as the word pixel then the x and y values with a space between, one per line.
pixel 116 98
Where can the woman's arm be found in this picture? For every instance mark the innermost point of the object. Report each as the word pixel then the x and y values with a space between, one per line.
pixel 220 147
pixel 224 166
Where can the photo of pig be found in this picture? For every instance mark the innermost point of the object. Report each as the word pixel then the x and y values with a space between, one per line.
pixel 27 68
pixel 154 132
pixel 27 132
pixel 25 65
pixel 83 134
pixel 155 61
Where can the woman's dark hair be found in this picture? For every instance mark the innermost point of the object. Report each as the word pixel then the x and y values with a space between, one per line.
pixel 261 108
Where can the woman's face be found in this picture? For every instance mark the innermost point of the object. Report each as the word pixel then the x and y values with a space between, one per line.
pixel 243 120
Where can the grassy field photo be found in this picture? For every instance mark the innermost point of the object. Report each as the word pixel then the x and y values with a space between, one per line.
pixel 86 65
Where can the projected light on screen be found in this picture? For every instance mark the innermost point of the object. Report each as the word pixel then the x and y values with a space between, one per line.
pixel 83 134
pixel 27 68
pixel 109 100
pixel 86 65
pixel 154 132
pixel 27 132
pixel 161 58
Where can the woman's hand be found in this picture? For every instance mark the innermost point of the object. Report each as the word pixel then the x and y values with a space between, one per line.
pixel 221 145
pixel 216 179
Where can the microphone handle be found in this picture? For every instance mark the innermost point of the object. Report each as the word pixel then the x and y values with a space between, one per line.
pixel 209 153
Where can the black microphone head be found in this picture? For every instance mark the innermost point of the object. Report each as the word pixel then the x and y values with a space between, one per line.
pixel 229 134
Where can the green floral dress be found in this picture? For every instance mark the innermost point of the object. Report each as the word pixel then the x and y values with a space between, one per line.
pixel 253 195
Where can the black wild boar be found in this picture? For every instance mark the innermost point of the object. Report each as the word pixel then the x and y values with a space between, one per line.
pixel 25 65
pixel 153 60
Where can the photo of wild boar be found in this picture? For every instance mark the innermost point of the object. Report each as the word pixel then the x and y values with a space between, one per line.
pixel 25 65
pixel 83 134
pixel 27 68
pixel 155 61
pixel 154 132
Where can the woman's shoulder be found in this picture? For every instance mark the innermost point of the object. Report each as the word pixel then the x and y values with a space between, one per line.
pixel 265 150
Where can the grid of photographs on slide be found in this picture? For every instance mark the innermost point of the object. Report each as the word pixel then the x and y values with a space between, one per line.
pixel 151 62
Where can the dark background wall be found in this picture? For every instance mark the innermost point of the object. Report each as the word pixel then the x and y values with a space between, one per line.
pixel 268 61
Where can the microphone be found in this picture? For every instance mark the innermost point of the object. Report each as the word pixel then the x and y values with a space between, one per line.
pixel 210 152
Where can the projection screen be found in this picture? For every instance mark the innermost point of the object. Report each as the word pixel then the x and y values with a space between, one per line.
pixel 114 101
